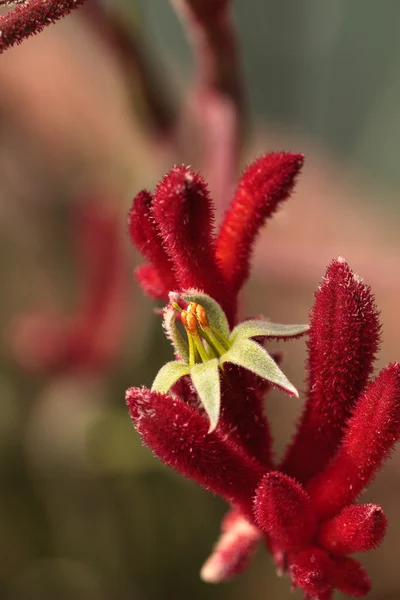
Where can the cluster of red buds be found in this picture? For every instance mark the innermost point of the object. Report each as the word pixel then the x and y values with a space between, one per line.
pixel 303 508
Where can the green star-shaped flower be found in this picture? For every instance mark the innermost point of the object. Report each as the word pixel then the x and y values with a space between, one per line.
pixel 211 344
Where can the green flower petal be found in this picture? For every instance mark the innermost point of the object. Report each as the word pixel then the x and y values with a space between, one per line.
pixel 252 356
pixel 255 328
pixel 174 335
pixel 205 379
pixel 168 375
pixel 215 314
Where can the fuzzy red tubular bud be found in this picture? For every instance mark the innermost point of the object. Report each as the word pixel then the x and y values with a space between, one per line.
pixel 342 344
pixel 178 435
pixel 370 436
pixel 233 551
pixel 157 279
pixel 263 186
pixel 283 510
pixel 357 528
pixel 350 578
pixel 184 213
pixel 313 571
pixel 32 18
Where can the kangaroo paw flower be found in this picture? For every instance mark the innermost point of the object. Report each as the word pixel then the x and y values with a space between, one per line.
pixel 204 415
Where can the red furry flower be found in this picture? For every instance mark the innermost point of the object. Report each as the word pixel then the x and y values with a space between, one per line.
pixel 305 508
pixel 89 339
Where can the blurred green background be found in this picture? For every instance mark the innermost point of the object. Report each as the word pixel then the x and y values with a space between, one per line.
pixel 85 511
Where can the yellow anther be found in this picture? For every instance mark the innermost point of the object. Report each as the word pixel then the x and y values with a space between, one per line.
pixel 201 316
pixel 189 322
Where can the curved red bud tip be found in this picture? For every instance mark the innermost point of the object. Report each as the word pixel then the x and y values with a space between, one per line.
pixel 265 183
pixel 313 572
pixel 343 341
pixel 283 510
pixel 178 435
pixel 350 577
pixel 184 213
pixel 356 529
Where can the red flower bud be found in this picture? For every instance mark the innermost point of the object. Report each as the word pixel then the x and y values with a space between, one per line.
pixel 356 529
pixel 233 551
pixel 342 344
pixel 184 214
pixel 313 571
pixel 265 183
pixel 350 577
pixel 283 510
pixel 178 435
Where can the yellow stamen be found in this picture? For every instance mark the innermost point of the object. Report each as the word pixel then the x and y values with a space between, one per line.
pixel 201 316
pixel 189 322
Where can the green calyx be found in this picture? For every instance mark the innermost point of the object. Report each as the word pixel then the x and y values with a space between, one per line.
pixel 210 344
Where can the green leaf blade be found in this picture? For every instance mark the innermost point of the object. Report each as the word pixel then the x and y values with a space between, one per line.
pixel 168 375
pixel 251 356
pixel 256 328
pixel 205 378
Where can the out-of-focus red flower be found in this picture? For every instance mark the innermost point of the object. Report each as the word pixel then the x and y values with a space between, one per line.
pixel 89 339
pixel 305 507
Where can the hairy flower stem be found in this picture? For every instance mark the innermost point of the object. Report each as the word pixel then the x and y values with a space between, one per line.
pixel 31 18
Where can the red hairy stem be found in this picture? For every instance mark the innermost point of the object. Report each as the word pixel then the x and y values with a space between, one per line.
pixel 178 436
pixel 265 183
pixel 350 577
pixel 31 18
pixel 242 414
pixel 158 278
pixel 233 551
pixel 184 213
pixel 343 341
pixel 371 434
pixel 216 101
pixel 356 529
pixel 313 571
pixel 284 511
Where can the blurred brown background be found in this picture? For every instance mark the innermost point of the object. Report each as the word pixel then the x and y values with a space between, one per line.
pixel 85 512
